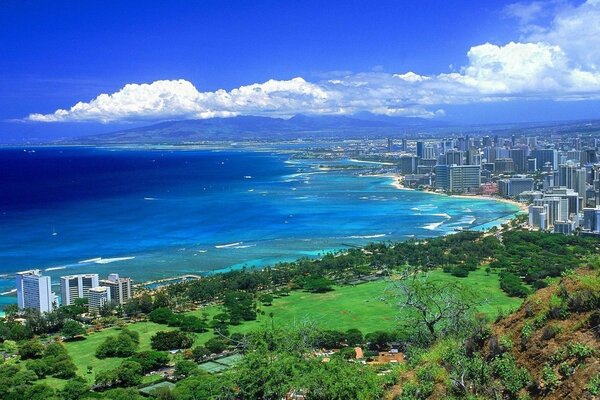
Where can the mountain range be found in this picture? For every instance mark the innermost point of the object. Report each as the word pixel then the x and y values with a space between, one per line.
pixel 266 128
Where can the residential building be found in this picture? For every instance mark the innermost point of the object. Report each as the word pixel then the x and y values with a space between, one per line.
pixel 34 291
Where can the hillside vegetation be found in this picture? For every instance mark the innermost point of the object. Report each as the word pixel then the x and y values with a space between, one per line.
pixel 549 348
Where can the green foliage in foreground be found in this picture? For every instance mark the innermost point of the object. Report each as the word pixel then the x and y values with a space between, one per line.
pixel 280 362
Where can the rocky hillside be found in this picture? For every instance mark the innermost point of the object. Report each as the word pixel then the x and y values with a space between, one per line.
pixel 548 349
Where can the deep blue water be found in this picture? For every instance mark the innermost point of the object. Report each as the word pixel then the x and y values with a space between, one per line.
pixel 155 213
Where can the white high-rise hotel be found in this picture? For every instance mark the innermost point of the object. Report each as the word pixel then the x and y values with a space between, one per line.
pixel 34 291
pixel 76 287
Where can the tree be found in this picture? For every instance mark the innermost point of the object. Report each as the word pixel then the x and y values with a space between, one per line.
pixel 379 340
pixel 39 367
pixel 161 315
pixel 192 324
pixel 266 299
pixel 185 368
pixel 354 337
pixel 75 389
pixel 71 329
pixel 122 394
pixel 216 345
pixel 433 307
pixel 161 299
pixel 199 353
pixel 145 303
pixel 150 360
pixel 31 349
pixel 122 345
pixel 129 373
pixel 317 284
pixel 202 386
pixel 171 340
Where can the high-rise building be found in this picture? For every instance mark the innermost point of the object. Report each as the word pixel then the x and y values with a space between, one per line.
pixel 408 164
pixel 428 153
pixel 519 157
pixel 76 287
pixel 121 289
pixel 591 219
pixel 544 156
pixel 35 291
pixel 454 157
pixel 564 227
pixel 458 178
pixel 98 298
pixel 420 147
pixel 568 175
pixel 514 186
pixel 538 216
pixel 390 144
pixel 504 165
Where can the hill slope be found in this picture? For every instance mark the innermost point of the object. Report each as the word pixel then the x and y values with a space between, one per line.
pixel 548 349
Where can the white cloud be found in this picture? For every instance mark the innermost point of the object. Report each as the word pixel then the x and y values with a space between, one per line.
pixel 559 61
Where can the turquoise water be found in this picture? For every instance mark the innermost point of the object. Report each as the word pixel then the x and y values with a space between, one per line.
pixel 152 214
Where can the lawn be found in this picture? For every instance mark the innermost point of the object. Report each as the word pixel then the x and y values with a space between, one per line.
pixel 82 351
pixel 368 306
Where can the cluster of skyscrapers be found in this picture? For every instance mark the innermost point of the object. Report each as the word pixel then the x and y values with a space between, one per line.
pixel 34 291
pixel 559 176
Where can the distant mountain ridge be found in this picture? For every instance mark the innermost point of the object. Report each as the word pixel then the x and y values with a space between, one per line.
pixel 255 127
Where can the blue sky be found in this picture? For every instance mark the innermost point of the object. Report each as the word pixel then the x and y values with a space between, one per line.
pixel 485 61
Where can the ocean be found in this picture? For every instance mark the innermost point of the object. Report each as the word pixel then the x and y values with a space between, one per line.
pixel 151 214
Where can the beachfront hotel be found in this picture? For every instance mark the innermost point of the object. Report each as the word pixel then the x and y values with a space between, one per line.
pixel 120 288
pixel 34 291
pixel 74 287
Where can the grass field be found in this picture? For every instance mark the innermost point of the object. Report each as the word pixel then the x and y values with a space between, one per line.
pixel 82 351
pixel 368 307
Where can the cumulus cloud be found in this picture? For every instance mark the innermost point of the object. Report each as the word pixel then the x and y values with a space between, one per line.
pixel 559 61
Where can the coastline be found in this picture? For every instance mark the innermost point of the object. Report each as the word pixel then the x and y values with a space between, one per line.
pixel 397 180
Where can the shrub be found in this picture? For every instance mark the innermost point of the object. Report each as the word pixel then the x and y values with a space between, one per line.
pixel 593 385
pixel 579 351
pixel 512 285
pixel 512 376
pixel 550 331
pixel 550 379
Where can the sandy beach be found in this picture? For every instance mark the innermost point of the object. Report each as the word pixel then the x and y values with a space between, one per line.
pixel 398 179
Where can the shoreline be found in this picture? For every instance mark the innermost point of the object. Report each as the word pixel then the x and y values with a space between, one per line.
pixel 398 179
